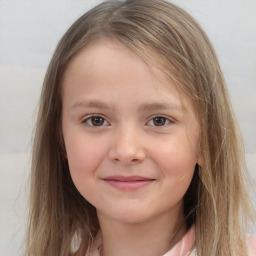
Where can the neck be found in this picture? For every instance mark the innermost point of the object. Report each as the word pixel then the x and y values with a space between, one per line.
pixel 150 238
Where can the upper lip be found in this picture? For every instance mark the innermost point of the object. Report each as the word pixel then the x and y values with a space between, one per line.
pixel 127 178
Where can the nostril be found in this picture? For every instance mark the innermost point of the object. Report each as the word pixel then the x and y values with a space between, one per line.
pixel 134 161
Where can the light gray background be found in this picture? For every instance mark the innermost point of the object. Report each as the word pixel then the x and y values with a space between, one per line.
pixel 29 32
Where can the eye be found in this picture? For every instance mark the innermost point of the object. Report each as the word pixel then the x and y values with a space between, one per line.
pixel 95 121
pixel 159 121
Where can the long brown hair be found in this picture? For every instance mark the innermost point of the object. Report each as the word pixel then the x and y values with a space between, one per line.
pixel 165 36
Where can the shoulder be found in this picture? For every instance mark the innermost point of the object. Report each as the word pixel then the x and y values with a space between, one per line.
pixel 252 245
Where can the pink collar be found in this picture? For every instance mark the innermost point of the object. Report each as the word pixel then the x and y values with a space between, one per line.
pixel 182 248
pixel 252 246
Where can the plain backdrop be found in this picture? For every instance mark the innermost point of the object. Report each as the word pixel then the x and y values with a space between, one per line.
pixel 29 32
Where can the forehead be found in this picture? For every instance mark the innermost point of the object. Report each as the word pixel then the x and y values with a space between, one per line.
pixel 104 63
pixel 104 49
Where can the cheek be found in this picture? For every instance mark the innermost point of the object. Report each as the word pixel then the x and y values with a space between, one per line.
pixel 176 156
pixel 177 162
pixel 177 168
pixel 84 158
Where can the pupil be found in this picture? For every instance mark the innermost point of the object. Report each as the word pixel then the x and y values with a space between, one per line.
pixel 159 121
pixel 97 121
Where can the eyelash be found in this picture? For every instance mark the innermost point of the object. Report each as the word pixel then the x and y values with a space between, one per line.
pixel 167 121
pixel 88 121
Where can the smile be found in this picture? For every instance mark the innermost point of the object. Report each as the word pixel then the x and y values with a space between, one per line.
pixel 128 183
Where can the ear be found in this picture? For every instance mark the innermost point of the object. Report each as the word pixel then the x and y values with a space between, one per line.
pixel 199 159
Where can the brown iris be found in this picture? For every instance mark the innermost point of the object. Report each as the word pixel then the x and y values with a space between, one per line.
pixel 97 121
pixel 159 121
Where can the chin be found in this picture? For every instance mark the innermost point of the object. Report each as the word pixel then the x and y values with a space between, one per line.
pixel 131 216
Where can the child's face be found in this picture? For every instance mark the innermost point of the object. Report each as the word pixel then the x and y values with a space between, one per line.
pixel 131 145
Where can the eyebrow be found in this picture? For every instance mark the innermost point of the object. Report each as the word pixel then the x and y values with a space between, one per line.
pixel 142 107
pixel 90 104
pixel 160 106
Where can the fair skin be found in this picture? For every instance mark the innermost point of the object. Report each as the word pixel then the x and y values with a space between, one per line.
pixel 131 144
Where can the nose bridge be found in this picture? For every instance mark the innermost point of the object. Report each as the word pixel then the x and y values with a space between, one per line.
pixel 127 145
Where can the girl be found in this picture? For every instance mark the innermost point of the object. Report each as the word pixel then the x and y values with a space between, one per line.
pixel 136 151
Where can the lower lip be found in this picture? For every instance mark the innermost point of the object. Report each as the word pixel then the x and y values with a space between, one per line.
pixel 129 185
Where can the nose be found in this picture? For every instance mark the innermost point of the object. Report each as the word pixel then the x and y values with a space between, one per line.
pixel 127 147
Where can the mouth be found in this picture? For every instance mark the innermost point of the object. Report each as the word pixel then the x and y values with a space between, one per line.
pixel 128 183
